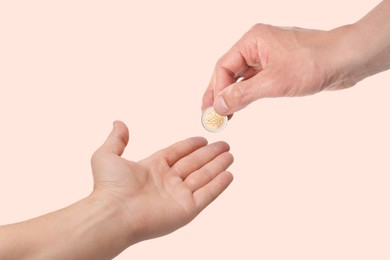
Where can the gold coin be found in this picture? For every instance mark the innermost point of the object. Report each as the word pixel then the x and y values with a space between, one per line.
pixel 212 121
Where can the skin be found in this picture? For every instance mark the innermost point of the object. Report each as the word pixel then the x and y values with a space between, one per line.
pixel 134 201
pixel 131 201
pixel 287 62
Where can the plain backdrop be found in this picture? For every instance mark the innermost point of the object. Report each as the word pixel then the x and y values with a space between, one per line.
pixel 312 174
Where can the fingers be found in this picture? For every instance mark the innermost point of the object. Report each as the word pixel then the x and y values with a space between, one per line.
pixel 207 194
pixel 117 139
pixel 225 73
pixel 198 159
pixel 242 60
pixel 181 149
pixel 240 94
pixel 207 173
pixel 228 69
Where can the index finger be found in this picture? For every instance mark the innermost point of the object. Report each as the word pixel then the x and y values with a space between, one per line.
pixel 226 72
pixel 181 149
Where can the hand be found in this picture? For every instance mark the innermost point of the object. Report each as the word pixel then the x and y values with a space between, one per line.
pixel 164 191
pixel 279 62
pixel 130 202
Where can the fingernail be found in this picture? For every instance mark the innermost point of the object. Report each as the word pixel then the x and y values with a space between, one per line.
pixel 220 106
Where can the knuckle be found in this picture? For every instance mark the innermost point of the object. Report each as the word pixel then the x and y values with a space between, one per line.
pixel 220 63
pixel 259 27
pixel 95 157
pixel 256 27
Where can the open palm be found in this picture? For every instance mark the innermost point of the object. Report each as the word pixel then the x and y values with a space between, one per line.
pixel 166 190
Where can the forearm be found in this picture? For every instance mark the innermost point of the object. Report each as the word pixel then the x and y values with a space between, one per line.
pixel 367 44
pixel 92 228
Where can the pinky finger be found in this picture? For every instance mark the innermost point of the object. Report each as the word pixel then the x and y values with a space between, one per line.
pixel 208 193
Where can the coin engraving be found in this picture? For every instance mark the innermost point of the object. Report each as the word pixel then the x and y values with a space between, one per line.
pixel 212 121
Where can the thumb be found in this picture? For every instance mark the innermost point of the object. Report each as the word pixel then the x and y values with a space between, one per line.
pixel 240 94
pixel 117 140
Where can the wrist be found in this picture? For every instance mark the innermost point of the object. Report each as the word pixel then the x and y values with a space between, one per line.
pixel 116 217
pixel 362 48
pixel 345 62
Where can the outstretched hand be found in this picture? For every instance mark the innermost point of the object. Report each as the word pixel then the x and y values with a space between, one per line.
pixel 166 190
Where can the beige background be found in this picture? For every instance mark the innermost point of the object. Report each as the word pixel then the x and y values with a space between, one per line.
pixel 312 174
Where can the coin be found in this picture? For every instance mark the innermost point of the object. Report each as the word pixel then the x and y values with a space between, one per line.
pixel 212 121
